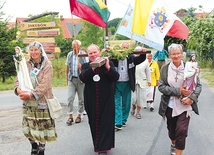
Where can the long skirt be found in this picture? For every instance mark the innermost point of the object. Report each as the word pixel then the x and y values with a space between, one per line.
pixel 37 124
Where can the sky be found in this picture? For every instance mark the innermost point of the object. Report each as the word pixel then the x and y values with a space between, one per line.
pixel 23 8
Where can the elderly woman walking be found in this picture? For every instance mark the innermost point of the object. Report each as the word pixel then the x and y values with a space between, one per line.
pixel 177 112
pixel 37 125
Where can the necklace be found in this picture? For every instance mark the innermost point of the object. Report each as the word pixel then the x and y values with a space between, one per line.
pixel 176 76
pixel 178 72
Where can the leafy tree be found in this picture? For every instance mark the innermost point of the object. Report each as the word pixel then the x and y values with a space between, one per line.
pixel 114 22
pixel 91 33
pixel 201 38
pixel 7 68
pixel 191 11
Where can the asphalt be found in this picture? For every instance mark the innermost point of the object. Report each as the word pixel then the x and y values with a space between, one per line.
pixel 146 136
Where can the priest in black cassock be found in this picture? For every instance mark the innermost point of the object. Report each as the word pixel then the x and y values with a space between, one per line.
pixel 99 100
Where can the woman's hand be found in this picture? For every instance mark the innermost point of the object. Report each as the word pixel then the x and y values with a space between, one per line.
pixel 185 92
pixel 24 95
pixel 187 101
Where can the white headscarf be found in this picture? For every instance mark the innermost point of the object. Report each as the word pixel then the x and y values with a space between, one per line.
pixel 39 46
pixel 20 50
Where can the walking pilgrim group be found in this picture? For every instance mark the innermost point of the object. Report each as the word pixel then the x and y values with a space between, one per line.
pixel 107 94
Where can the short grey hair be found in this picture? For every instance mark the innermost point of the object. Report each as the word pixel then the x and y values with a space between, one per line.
pixel 93 45
pixel 149 54
pixel 78 42
pixel 175 47
pixel 138 48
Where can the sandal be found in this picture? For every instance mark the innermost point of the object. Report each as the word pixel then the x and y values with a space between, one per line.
pixel 78 120
pixel 69 121
pixel 133 109
pixel 138 116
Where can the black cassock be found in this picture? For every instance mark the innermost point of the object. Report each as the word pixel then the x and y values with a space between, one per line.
pixel 99 104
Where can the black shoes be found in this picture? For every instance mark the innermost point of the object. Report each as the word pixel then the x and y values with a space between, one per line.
pixel 118 127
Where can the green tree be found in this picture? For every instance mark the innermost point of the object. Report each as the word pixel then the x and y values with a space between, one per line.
pixel 91 34
pixel 191 11
pixel 7 36
pixel 114 22
pixel 201 38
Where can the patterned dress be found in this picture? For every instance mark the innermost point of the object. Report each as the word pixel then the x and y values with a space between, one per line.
pixel 37 124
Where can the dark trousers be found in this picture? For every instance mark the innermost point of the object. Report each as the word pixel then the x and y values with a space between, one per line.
pixel 177 128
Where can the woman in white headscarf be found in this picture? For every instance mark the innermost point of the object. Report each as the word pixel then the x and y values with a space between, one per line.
pixel 37 124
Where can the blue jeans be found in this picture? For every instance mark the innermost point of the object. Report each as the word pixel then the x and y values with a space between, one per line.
pixel 122 102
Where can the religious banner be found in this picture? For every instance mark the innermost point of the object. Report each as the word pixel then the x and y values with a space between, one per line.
pixel 125 29
pixel 154 20
pixel 150 21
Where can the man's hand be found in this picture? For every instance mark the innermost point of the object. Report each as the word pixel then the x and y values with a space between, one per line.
pixel 79 65
pixel 144 49
pixel 107 65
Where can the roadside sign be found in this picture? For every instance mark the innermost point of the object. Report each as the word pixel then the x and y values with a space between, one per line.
pixel 48 32
pixel 27 26
pixel 29 40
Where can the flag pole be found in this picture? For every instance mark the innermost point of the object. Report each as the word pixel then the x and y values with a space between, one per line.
pixel 106 31
pixel 75 39
pixel 73 27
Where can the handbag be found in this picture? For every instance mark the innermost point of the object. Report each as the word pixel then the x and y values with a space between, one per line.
pixel 54 107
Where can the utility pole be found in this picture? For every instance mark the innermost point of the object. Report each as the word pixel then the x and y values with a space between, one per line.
pixel 106 32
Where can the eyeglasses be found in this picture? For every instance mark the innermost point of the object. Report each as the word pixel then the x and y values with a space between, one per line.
pixel 175 54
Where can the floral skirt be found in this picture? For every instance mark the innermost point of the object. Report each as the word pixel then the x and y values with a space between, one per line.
pixel 37 124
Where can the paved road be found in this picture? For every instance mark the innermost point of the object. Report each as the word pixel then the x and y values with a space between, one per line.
pixel 147 136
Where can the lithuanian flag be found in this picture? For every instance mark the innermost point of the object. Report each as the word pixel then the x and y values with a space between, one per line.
pixel 94 11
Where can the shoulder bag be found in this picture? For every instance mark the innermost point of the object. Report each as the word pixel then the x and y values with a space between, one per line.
pixel 55 108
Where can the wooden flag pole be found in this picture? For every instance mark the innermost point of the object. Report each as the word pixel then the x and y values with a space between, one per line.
pixel 75 40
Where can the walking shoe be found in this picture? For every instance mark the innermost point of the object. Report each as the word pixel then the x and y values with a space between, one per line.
pixel 133 109
pixel 124 125
pixel 118 127
pixel 138 116
pixel 172 149
pixel 84 112
pixel 148 105
pixel 151 107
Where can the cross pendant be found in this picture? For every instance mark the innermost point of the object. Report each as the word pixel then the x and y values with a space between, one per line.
pixel 176 78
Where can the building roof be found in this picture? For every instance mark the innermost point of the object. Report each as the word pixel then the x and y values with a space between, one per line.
pixel 184 12
pixel 69 26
